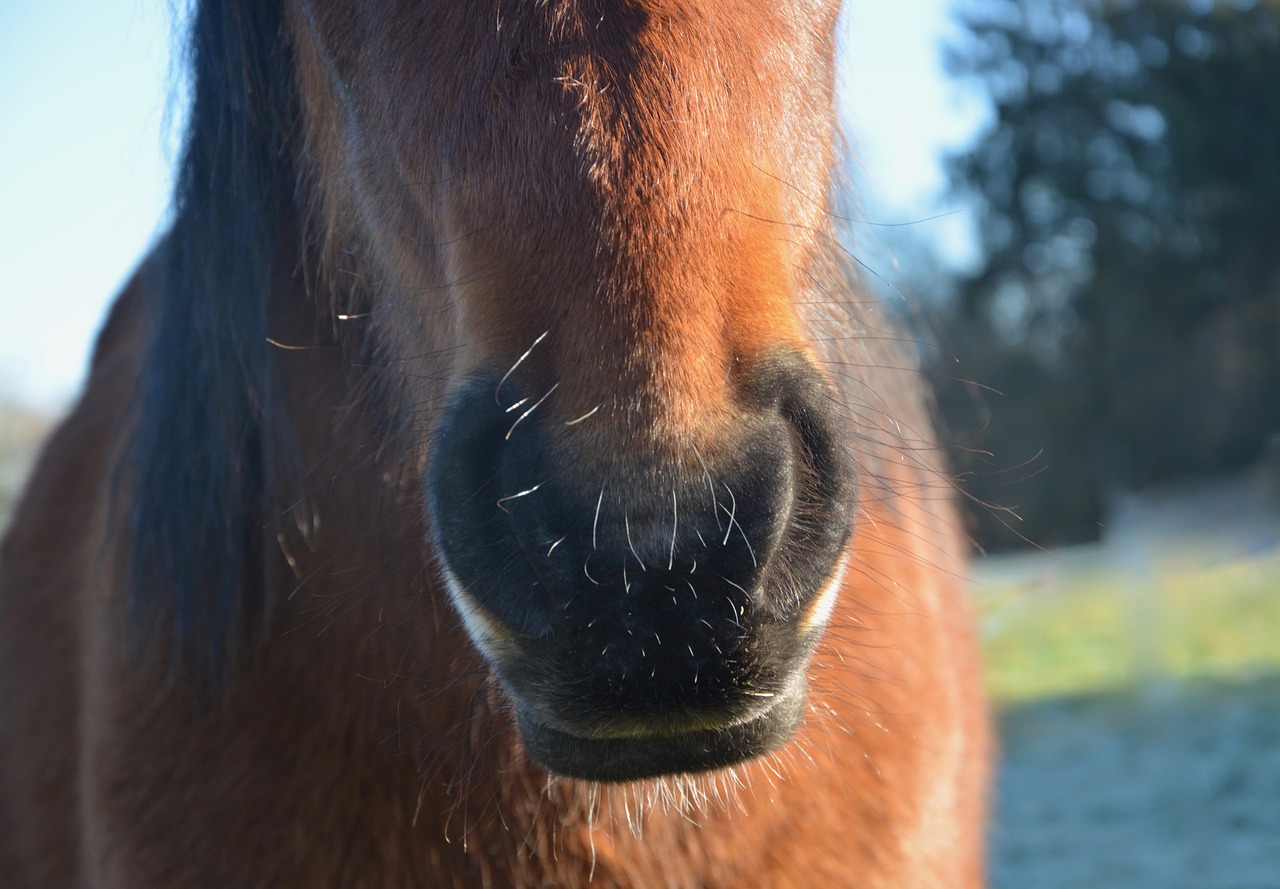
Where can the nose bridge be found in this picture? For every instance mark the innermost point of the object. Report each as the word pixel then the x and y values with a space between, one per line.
pixel 623 354
pixel 643 234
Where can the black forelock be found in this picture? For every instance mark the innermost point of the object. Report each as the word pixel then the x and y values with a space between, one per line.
pixel 202 479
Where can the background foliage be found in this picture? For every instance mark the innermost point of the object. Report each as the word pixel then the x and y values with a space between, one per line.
pixel 1127 307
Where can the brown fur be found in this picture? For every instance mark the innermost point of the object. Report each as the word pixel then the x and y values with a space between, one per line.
pixel 648 181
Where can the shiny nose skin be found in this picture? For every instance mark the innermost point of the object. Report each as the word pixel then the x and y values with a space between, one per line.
pixel 663 601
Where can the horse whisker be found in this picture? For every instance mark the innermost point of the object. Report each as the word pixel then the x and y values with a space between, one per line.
pixel 498 389
pixel 527 491
pixel 575 422
pixel 531 409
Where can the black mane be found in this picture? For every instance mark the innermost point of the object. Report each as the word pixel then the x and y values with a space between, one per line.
pixel 202 475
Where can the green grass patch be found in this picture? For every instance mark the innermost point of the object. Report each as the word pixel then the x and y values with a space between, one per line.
pixel 1076 626
pixel 1224 620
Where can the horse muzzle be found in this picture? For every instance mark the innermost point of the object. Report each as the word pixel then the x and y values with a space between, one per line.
pixel 658 618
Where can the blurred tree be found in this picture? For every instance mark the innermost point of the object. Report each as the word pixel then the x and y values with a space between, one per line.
pixel 1128 305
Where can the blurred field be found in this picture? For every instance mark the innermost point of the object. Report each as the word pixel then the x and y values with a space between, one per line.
pixel 1137 687
pixel 1098 627
pixel 1132 790
pixel 22 429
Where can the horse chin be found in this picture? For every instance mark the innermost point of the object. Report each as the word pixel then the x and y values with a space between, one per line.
pixel 649 754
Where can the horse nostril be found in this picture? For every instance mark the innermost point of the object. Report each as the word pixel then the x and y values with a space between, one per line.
pixel 662 588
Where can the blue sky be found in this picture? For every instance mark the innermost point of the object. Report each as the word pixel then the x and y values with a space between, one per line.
pixel 87 144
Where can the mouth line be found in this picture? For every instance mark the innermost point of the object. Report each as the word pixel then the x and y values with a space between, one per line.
pixel 658 726
pixel 650 754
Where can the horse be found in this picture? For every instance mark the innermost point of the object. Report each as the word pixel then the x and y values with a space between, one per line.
pixel 494 477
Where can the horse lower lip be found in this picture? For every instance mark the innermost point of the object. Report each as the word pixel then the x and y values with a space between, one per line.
pixel 626 759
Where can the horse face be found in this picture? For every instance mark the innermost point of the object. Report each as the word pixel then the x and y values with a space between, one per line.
pixel 594 257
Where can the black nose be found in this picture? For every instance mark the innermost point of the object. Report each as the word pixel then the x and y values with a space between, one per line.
pixel 672 595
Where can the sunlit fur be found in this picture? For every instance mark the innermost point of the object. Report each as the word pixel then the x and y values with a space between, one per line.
pixel 228 651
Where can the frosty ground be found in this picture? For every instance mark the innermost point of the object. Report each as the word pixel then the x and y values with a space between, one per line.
pixel 1174 788
pixel 1158 768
